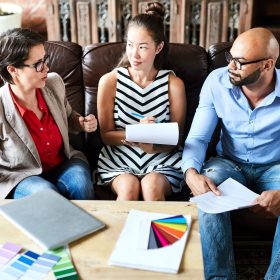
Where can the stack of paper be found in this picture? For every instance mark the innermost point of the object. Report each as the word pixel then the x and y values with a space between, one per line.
pixel 152 241
pixel 233 196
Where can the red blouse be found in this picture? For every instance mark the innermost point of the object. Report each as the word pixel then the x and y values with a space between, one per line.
pixel 45 133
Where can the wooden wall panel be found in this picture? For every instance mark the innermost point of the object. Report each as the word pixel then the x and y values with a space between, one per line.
pixel 210 24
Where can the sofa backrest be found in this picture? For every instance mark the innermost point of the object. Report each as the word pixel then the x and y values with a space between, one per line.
pixel 65 59
pixel 189 62
pixel 98 59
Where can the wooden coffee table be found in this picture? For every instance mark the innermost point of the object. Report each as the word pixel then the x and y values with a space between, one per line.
pixel 90 254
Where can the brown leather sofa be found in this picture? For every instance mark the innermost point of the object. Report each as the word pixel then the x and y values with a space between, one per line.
pixel 81 70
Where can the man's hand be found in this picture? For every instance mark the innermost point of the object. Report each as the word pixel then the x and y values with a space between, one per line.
pixel 88 123
pixel 199 184
pixel 268 204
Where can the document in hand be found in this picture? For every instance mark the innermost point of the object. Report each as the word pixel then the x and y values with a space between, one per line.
pixel 233 196
pixel 50 219
pixel 151 245
pixel 154 133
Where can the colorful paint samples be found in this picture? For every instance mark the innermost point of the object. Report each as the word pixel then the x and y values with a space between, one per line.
pixel 16 268
pixel 41 267
pixel 29 265
pixel 64 269
pixel 164 232
pixel 8 251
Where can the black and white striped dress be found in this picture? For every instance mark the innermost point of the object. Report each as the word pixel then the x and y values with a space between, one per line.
pixel 150 101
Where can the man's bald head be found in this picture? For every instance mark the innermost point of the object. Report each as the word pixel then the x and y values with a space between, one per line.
pixel 256 43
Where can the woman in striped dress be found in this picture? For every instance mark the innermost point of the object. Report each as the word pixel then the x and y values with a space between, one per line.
pixel 140 85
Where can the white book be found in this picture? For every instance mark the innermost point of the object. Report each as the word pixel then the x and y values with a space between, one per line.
pixel 132 251
pixel 233 196
pixel 50 219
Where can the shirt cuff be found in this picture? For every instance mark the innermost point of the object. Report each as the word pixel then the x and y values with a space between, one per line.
pixel 191 164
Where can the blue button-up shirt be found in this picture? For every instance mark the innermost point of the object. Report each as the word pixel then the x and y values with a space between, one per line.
pixel 248 135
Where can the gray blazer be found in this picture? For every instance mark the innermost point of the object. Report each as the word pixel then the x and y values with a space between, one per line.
pixel 18 154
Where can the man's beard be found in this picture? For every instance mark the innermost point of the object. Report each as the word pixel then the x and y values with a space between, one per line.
pixel 252 78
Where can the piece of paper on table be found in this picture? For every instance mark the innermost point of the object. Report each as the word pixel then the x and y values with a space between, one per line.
pixel 131 248
pixel 233 196
pixel 153 133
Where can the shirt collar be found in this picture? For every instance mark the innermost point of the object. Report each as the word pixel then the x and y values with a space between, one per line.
pixel 225 79
pixel 277 83
pixel 22 110
pixel 41 101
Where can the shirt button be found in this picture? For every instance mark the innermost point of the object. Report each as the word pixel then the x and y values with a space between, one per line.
pixel 48 143
pixel 41 128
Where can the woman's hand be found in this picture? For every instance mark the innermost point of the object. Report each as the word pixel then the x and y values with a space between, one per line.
pixel 88 123
pixel 148 120
pixel 147 148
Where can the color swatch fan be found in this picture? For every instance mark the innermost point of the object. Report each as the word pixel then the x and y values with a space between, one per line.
pixel 164 232
pixel 143 233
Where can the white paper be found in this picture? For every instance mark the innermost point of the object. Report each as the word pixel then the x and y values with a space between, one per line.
pixel 154 133
pixel 130 250
pixel 233 196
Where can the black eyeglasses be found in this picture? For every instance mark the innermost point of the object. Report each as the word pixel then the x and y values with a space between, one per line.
pixel 238 64
pixel 39 66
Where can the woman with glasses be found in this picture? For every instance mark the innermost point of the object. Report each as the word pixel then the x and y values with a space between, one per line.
pixel 35 115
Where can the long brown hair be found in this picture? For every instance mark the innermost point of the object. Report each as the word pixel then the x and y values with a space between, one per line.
pixel 152 21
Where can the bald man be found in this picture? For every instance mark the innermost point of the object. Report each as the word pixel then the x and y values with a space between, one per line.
pixel 245 97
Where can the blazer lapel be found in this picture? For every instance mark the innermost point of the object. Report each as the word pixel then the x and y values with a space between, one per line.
pixel 17 123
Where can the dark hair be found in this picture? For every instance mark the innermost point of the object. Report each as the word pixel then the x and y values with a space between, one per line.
pixel 15 45
pixel 152 21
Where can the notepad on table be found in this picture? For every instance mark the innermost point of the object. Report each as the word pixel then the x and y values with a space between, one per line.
pixel 50 219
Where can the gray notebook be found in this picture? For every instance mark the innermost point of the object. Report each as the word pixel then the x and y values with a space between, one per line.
pixel 50 219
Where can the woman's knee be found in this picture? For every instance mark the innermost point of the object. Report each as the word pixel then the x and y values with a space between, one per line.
pixel 127 187
pixel 32 185
pixel 75 181
pixel 155 186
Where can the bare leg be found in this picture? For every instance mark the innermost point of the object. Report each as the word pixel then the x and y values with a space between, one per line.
pixel 126 186
pixel 155 186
